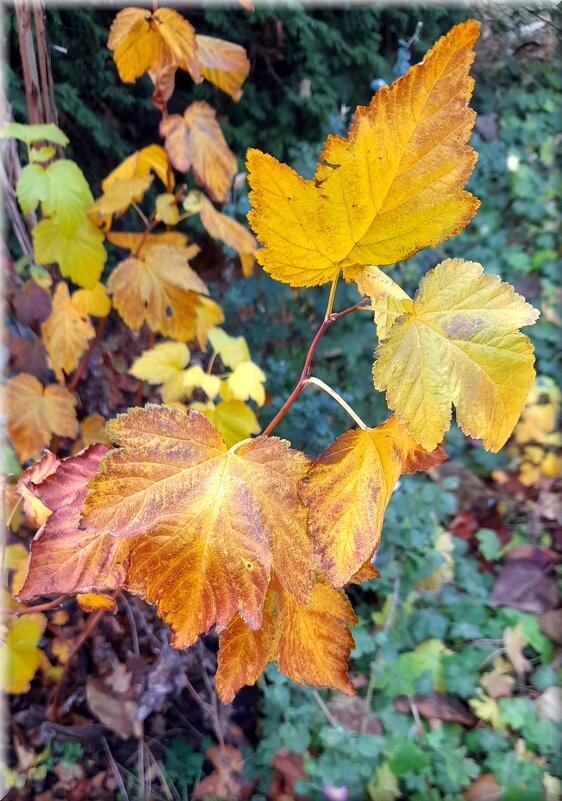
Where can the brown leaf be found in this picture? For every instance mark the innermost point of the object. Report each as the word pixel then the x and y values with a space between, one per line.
pixel 29 356
pixel 484 788
pixel 523 585
pixel 551 625
pixel 32 304
pixel 112 709
pixel 353 713
pixel 438 705
pixel 227 780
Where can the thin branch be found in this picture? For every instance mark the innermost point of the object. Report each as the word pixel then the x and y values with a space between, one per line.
pixel 30 610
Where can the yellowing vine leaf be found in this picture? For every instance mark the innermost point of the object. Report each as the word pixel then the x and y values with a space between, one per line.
pixel 309 642
pixel 388 299
pixel 347 491
pixel 65 558
pixel 36 413
pixel 119 196
pixel 33 133
pixel 246 382
pixel 235 421
pixel 80 256
pixel 167 209
pixel 206 525
pixel 140 243
pixel 160 289
pixel 459 344
pixel 232 350
pixel 223 63
pixel 219 226
pixel 20 656
pixel 194 140
pixel 161 363
pixel 66 332
pixel 61 189
pixel 94 301
pixel 142 41
pixel 394 186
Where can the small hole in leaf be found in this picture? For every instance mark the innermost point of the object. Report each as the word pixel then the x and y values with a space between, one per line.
pixel 169 311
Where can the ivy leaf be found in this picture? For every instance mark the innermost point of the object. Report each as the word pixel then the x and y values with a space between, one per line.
pixel 35 413
pixel 194 140
pixel 67 331
pixel 142 41
pixel 348 488
pixel 459 344
pixel 207 524
pixel 219 226
pixel 160 289
pixel 223 63
pixel 80 255
pixel 65 559
pixel 310 643
pixel 393 187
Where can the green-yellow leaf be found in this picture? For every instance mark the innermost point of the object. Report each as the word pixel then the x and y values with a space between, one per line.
pixel 232 350
pixel 235 421
pixel 33 133
pixel 161 363
pixel 80 256
pixel 458 345
pixel 246 382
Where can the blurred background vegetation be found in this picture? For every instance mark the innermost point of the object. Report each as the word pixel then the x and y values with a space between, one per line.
pixel 456 668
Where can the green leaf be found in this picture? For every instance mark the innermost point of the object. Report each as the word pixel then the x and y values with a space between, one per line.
pixel 68 197
pixel 32 187
pixel 33 133
pixel 384 785
pixel 407 756
pixel 489 544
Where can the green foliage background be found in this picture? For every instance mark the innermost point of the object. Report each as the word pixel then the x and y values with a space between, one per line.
pixel 309 68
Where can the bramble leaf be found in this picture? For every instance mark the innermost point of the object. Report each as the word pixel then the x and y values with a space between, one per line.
pixel 67 331
pixel 393 187
pixel 36 413
pixel 311 643
pixel 194 140
pixel 348 488
pixel 458 345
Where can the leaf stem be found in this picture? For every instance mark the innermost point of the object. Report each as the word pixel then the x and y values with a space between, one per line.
pixel 332 296
pixel 305 374
pixel 338 398
pixel 141 213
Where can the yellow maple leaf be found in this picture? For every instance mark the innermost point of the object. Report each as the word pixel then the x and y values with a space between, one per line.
pixel 138 244
pixel 164 364
pixel 160 289
pixel 209 523
pixel 223 63
pixel 347 491
pixel 142 41
pixel 394 186
pixel 388 299
pixel 196 378
pixel 66 332
pixel 36 413
pixel 167 209
pixel 20 656
pixel 247 381
pixel 194 140
pixel 219 226
pixel 232 350
pixel 94 301
pixel 309 642
pixel 80 255
pixel 119 196
pixel 458 345
pixel 234 419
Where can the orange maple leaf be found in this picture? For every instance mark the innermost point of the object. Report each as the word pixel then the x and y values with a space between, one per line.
pixel 223 63
pixel 310 643
pixel 394 186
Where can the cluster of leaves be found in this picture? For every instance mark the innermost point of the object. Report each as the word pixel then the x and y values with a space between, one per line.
pixel 258 540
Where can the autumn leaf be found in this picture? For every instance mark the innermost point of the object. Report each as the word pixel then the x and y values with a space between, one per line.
pixel 67 331
pixel 80 256
pixel 160 289
pixel 20 656
pixel 164 364
pixel 223 63
pixel 222 227
pixel 235 421
pixel 388 299
pixel 94 301
pixel 246 382
pixel 152 158
pixel 166 210
pixel 139 244
pixel 36 413
pixel 348 488
pixel 65 559
pixel 92 429
pixel 394 186
pixel 310 643
pixel 142 41
pixel 61 189
pixel 196 378
pixel 14 559
pixel 458 345
pixel 207 524
pixel 119 196
pixel 36 511
pixel 194 140
pixel 209 314
pixel 232 350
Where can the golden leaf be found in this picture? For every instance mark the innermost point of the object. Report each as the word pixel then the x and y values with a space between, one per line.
pixel 232 350
pixel 167 209
pixel 20 656
pixel 195 141
pixel 152 158
pixel 119 196
pixel 206 524
pixel 235 421
pixel 309 642
pixel 36 413
pixel 246 382
pixel 223 63
pixel 459 344
pixel 35 511
pixel 347 491
pixel 94 301
pixel 80 255
pixel 66 332
pixel 394 186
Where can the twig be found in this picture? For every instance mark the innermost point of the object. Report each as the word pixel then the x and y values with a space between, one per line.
pixel 29 610
pixel 305 374
pixel 320 701
pixel 132 625
pixel 116 771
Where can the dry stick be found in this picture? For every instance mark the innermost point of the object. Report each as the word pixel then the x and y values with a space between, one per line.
pixel 29 64
pixel 305 374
